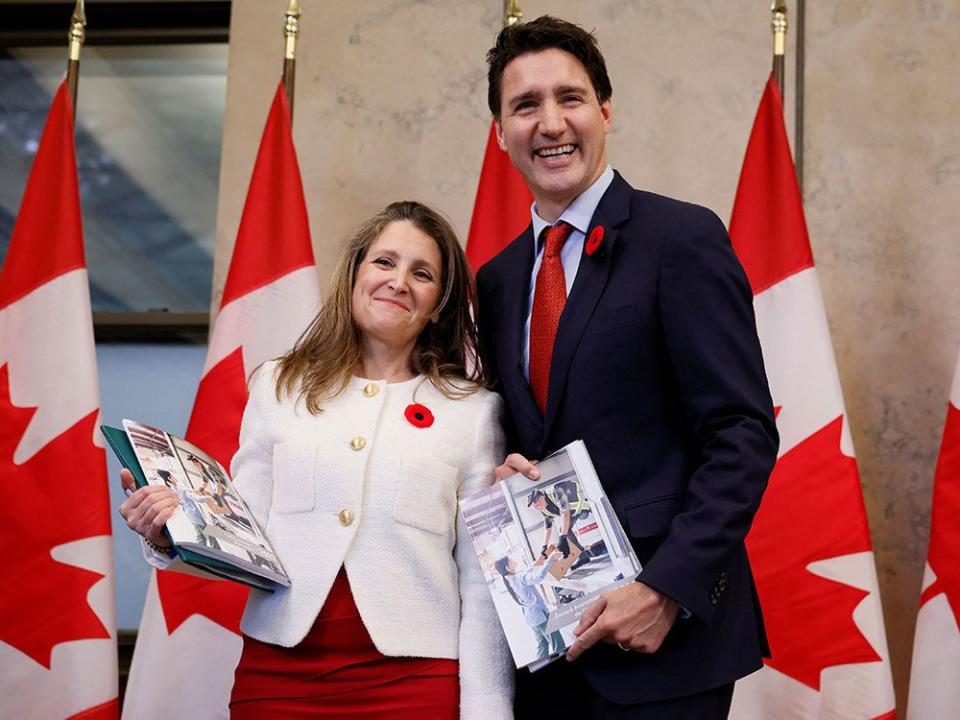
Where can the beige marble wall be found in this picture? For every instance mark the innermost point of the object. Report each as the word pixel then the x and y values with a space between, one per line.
pixel 882 159
pixel 391 104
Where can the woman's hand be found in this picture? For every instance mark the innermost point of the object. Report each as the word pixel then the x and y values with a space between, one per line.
pixel 147 509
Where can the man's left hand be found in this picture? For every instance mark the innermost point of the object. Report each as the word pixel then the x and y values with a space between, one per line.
pixel 636 617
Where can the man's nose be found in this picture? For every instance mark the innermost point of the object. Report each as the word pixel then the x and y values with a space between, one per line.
pixel 552 121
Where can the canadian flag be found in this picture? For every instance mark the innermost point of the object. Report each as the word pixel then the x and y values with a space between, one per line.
pixel 502 208
pixel 58 650
pixel 934 686
pixel 810 544
pixel 189 642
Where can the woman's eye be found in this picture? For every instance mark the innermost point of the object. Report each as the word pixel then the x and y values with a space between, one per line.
pixel 383 262
pixel 423 275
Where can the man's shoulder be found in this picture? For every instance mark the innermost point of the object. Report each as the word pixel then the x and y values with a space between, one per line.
pixel 646 205
pixel 508 258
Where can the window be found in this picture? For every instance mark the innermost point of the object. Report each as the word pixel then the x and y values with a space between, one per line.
pixel 150 109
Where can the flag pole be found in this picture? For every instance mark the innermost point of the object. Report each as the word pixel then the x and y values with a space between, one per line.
pixel 75 36
pixel 291 28
pixel 778 24
pixel 512 14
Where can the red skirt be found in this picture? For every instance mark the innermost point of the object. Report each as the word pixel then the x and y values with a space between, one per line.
pixel 337 672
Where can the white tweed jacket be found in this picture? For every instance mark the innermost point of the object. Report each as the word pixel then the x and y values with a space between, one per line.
pixel 361 486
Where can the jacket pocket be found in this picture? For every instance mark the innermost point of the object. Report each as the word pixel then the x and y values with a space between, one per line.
pixel 652 518
pixel 426 495
pixel 293 478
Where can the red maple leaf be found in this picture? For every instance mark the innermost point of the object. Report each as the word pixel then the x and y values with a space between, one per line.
pixel 944 553
pixel 214 427
pixel 812 510
pixel 57 496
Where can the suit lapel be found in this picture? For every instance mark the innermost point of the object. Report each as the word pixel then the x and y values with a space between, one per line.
pixel 612 212
pixel 515 293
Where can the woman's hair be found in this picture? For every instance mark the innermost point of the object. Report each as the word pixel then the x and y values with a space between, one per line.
pixel 321 363
pixel 501 567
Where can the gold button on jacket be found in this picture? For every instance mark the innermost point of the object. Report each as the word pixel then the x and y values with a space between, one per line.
pixel 370 389
pixel 346 517
pixel 358 442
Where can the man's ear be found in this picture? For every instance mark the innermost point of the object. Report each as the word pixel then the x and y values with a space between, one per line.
pixel 499 126
pixel 606 111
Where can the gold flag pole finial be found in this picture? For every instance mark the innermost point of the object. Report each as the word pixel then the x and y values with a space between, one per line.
pixel 778 25
pixel 512 14
pixel 75 36
pixel 291 29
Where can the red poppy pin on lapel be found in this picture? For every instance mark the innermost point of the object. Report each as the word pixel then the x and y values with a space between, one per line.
pixel 595 240
pixel 418 415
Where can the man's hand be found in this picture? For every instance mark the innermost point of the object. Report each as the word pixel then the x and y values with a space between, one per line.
pixel 635 616
pixel 516 463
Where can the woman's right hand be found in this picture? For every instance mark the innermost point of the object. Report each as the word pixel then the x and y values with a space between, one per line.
pixel 147 509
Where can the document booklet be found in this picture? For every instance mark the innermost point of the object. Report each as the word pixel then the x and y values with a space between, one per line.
pixel 548 548
pixel 212 529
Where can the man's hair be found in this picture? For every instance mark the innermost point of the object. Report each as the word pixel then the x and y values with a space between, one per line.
pixel 544 33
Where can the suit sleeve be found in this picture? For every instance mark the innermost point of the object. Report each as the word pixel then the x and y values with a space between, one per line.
pixel 706 311
pixel 486 667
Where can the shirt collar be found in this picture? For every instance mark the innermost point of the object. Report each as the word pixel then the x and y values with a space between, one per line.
pixel 579 212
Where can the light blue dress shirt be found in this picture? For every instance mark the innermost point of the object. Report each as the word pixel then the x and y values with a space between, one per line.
pixel 578 215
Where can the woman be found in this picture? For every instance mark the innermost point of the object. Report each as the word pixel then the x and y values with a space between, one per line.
pixel 354 450
pixel 522 587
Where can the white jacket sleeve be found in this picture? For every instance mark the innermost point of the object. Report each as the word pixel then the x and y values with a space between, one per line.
pixel 486 666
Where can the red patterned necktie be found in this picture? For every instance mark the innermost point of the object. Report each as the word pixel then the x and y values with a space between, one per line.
pixel 548 300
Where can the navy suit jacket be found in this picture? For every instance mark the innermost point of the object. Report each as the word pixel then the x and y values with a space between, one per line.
pixel 657 367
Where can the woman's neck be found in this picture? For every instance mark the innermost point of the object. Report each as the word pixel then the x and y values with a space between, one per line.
pixel 381 362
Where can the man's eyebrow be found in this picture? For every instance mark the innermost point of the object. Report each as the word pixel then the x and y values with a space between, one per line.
pixel 528 95
pixel 564 89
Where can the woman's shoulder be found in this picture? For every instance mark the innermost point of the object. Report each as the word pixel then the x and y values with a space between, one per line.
pixel 467 395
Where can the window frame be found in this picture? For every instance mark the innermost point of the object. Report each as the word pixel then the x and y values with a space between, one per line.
pixel 143 22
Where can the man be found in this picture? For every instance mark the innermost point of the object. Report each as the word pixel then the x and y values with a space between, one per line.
pixel 562 505
pixel 623 318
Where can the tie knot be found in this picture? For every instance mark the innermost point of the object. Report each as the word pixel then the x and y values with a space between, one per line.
pixel 554 237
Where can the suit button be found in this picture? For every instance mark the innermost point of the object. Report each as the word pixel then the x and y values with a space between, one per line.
pixel 370 389
pixel 723 576
pixel 723 583
pixel 714 599
pixel 346 517
pixel 358 442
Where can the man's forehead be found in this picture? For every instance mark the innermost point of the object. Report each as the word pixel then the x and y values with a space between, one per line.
pixel 550 66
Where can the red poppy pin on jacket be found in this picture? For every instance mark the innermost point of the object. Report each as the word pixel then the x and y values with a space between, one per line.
pixel 594 241
pixel 418 415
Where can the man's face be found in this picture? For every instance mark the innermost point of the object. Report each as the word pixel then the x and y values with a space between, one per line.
pixel 540 503
pixel 553 127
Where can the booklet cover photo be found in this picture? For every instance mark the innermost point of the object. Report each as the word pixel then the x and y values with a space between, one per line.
pixel 548 548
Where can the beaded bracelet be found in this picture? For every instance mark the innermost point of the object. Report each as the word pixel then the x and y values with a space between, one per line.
pixel 168 551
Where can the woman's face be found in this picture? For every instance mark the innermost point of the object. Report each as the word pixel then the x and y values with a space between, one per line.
pixel 398 285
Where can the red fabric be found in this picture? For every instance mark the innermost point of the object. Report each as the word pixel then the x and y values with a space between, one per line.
pixel 47 239
pixel 502 208
pixel 337 672
pixel 944 552
pixel 274 236
pixel 767 227
pixel 548 301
